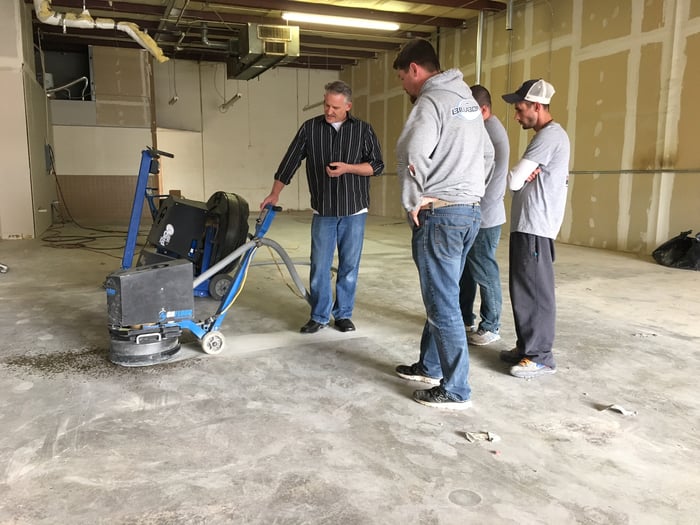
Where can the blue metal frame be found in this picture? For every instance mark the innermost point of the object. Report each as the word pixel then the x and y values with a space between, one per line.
pixel 202 328
pixel 149 164
pixel 203 289
pixel 147 157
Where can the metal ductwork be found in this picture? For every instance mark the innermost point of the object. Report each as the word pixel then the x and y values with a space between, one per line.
pixel 47 15
pixel 261 47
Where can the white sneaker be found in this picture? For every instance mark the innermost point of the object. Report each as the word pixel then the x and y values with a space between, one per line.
pixel 482 337
pixel 470 328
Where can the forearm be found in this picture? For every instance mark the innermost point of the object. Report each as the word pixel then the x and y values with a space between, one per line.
pixel 520 174
pixel 364 169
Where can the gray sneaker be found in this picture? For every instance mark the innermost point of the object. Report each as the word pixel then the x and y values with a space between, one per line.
pixel 436 397
pixel 482 337
pixel 527 369
pixel 470 328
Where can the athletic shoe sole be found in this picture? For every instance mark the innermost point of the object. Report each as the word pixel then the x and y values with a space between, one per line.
pixel 445 405
pixel 421 379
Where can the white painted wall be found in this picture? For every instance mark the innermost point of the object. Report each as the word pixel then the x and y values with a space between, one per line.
pixel 26 190
pixel 242 146
pixel 98 150
pixel 184 172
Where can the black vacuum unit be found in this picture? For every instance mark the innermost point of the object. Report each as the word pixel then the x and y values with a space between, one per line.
pixel 180 230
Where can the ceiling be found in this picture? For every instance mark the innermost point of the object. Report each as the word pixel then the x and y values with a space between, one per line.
pixel 202 30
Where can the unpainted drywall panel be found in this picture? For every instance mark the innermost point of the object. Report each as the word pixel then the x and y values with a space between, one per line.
pixel 176 85
pixel 376 110
pixel 396 117
pixel 688 155
pixel 385 189
pixel 594 211
pixel 73 112
pixel 10 40
pixel 360 74
pixel 28 62
pixel 360 106
pixel 128 112
pixel 506 80
pixel 469 76
pixel 694 9
pixel 603 20
pixel 600 119
pixel 99 151
pixel 16 218
pixel 122 87
pixel 467 44
pixel 184 172
pixel 600 133
pixel 120 72
pixel 684 211
pixel 377 71
pixel 648 89
pixel 554 67
pixel 447 49
pixel 551 20
pixel 42 177
pixel 498 83
pixel 505 41
pixel 642 193
pixel 653 17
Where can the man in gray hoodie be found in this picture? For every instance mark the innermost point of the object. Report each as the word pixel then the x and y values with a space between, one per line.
pixel 444 154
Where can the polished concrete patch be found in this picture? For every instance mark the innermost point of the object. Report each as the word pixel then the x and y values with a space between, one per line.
pixel 289 428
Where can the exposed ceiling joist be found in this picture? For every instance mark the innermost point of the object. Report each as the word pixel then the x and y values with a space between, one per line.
pixel 209 30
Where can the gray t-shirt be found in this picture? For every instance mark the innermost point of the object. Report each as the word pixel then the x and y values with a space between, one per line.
pixel 538 208
pixel 493 211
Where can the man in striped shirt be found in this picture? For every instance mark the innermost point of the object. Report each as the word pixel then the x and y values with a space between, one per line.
pixel 342 153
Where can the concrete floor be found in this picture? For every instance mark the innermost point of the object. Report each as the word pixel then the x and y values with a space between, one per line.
pixel 287 428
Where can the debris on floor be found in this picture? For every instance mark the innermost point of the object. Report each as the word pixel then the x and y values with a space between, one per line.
pixel 621 410
pixel 473 437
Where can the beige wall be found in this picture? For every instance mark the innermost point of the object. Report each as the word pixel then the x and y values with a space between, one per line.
pixel 625 78
pixel 27 187
pixel 625 74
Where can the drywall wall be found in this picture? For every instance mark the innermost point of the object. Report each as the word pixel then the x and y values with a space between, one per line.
pixel 184 172
pixel 625 74
pixel 24 116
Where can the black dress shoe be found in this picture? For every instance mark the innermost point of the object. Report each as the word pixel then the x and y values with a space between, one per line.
pixel 312 327
pixel 344 325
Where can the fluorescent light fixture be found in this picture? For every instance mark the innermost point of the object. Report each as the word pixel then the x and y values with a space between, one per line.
pixel 340 21
pixel 312 106
pixel 230 102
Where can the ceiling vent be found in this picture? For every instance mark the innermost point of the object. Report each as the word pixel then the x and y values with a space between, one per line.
pixel 261 47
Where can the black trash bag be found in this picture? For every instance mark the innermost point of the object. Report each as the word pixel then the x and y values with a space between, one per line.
pixel 683 251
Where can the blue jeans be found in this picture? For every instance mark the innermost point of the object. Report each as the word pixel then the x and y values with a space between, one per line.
pixel 482 268
pixel 440 247
pixel 328 233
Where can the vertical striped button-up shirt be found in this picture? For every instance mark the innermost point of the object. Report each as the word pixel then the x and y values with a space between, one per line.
pixel 319 143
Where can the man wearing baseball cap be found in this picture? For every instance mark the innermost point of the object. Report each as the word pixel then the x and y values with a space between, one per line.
pixel 539 183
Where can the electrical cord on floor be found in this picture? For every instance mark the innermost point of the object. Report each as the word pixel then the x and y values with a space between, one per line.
pixel 54 239
pixel 73 241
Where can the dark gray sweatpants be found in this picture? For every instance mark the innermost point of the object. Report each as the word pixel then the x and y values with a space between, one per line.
pixel 531 284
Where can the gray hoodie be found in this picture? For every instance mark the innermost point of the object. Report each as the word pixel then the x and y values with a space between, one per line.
pixel 445 141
